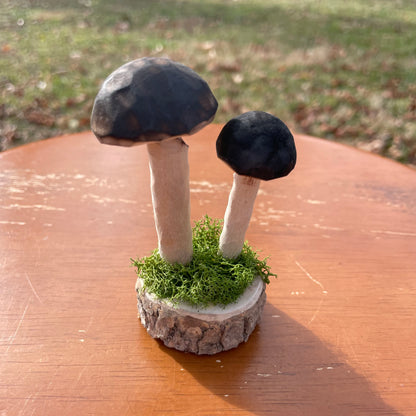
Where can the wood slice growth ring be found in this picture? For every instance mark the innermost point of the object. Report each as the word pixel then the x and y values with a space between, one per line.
pixel 207 330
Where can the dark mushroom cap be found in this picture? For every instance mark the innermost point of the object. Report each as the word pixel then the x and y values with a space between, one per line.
pixel 151 99
pixel 257 144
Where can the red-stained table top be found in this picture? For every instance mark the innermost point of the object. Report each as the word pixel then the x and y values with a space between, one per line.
pixel 338 334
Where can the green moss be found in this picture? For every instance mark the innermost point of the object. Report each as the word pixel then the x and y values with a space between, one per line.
pixel 209 279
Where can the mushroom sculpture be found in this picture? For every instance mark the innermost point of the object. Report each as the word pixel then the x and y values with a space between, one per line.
pixel 257 146
pixel 155 101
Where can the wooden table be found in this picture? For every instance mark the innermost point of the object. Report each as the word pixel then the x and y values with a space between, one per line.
pixel 338 335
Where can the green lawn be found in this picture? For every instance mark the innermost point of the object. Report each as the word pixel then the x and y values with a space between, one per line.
pixel 342 70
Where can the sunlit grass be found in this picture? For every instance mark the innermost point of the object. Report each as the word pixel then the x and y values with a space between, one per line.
pixel 329 68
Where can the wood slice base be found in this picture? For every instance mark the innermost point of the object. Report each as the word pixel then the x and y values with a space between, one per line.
pixel 206 330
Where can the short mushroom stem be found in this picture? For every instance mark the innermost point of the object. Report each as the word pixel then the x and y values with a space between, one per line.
pixel 237 215
pixel 169 170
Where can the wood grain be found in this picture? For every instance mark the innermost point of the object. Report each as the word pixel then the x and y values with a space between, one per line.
pixel 338 330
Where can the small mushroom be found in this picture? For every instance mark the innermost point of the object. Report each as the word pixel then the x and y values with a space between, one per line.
pixel 256 145
pixel 156 101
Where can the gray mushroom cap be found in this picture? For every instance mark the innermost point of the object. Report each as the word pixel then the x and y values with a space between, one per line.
pixel 151 99
pixel 257 144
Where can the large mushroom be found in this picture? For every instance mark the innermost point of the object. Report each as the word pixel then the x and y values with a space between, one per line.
pixel 156 101
pixel 257 146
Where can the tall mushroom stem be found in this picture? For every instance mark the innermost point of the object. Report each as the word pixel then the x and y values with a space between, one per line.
pixel 237 215
pixel 169 171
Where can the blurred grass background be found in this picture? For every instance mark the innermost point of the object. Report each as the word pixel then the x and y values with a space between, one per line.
pixel 341 70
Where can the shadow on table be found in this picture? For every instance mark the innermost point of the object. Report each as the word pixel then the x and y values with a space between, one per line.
pixel 284 368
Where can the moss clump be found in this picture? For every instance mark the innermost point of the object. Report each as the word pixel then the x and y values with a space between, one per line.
pixel 209 279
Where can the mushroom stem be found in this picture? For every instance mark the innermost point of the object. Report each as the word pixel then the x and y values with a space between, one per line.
pixel 169 172
pixel 237 215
